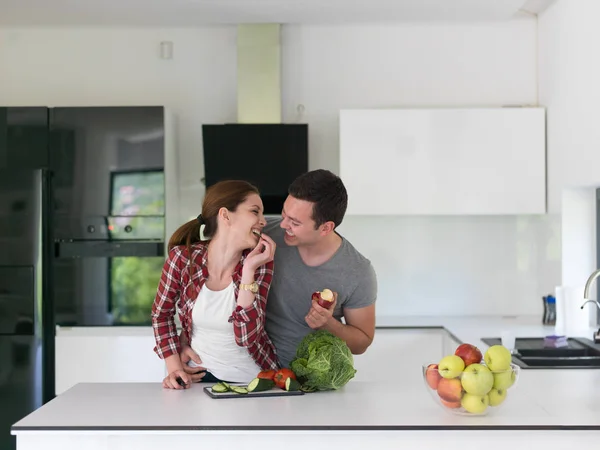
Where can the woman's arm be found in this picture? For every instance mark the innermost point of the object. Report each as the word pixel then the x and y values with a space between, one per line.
pixel 249 316
pixel 163 310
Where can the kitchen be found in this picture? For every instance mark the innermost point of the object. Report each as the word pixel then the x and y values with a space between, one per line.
pixel 446 266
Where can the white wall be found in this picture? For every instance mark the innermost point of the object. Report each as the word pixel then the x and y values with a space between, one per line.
pixel 427 265
pixel 569 73
pixel 117 66
pixel 458 265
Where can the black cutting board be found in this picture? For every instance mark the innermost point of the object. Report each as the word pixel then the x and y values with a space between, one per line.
pixel 274 392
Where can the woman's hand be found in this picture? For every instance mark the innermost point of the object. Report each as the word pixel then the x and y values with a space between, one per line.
pixel 177 379
pixel 192 364
pixel 262 253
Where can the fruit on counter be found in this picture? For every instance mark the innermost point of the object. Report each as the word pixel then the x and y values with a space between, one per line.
pixel 469 382
pixel 451 366
pixel 469 354
pixel 324 298
pixel 497 358
pixel 477 379
pixel 451 405
pixel 281 377
pixel 266 374
pixel 497 396
pixel 475 404
pixel 504 379
pixel 450 389
pixel 433 376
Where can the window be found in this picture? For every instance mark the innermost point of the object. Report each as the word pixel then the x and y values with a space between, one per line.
pixel 137 213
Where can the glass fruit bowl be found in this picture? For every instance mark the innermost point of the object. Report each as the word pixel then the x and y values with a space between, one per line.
pixel 474 388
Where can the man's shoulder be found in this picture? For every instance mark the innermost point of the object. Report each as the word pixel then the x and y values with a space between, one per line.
pixel 352 253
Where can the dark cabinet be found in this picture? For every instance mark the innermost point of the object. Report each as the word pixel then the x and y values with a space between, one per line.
pixel 24 138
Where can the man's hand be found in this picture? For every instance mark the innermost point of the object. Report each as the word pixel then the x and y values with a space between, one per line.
pixel 318 316
pixel 195 370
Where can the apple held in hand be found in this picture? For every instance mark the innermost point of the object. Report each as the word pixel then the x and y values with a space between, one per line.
pixel 451 366
pixel 497 358
pixel 469 354
pixel 324 298
pixel 433 376
pixel 450 390
pixel 477 379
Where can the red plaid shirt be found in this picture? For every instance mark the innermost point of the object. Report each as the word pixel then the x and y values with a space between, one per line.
pixel 176 290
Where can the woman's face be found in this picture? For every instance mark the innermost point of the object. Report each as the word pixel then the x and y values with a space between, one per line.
pixel 247 217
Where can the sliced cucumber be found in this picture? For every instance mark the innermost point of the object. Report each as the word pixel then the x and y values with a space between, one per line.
pixel 260 384
pixel 292 385
pixel 227 386
pixel 220 388
pixel 239 389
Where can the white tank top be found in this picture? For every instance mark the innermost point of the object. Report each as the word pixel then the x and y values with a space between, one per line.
pixel 213 338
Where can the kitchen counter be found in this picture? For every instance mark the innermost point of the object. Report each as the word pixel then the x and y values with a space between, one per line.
pixel 385 404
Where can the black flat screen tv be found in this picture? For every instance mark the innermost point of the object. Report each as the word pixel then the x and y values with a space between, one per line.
pixel 270 156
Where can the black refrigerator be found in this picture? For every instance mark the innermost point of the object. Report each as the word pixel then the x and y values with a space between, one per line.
pixel 25 265
pixel 81 203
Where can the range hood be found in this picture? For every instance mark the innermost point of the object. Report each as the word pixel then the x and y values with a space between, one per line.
pixel 259 73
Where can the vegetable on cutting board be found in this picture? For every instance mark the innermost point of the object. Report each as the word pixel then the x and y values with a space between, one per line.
pixel 260 385
pixel 266 374
pixel 281 377
pixel 292 384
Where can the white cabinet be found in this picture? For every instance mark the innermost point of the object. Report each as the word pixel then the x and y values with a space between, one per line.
pixel 106 355
pixel 445 161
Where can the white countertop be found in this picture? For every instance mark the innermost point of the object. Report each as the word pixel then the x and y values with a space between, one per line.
pixel 398 400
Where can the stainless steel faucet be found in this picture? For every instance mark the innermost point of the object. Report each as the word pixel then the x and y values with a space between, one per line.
pixel 586 297
pixel 588 285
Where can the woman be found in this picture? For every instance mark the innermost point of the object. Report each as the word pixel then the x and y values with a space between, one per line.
pixel 217 274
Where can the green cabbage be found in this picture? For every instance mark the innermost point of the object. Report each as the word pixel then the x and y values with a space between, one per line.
pixel 323 362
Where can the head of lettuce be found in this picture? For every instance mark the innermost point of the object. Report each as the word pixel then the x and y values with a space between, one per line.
pixel 323 362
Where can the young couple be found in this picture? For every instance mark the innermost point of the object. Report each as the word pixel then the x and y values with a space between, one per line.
pixel 243 286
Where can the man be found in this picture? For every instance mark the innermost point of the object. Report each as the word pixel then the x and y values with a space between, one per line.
pixel 312 256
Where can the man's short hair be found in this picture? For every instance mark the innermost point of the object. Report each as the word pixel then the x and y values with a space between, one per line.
pixel 327 193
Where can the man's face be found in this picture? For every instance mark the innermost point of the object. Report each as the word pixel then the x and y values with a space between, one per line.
pixel 298 223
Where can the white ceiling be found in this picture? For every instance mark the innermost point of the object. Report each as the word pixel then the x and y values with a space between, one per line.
pixel 200 12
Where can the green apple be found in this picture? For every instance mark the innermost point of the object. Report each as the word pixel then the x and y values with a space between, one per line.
pixel 497 396
pixel 505 379
pixel 451 366
pixel 475 404
pixel 497 357
pixel 477 379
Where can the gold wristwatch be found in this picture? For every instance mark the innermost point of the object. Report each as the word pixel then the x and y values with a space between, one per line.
pixel 252 287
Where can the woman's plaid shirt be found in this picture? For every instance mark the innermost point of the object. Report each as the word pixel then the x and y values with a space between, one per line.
pixel 177 291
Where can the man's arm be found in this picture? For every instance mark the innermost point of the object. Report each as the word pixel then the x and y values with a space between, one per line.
pixel 359 330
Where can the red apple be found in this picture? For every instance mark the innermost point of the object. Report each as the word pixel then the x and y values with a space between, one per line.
pixel 451 405
pixel 432 374
pixel 450 389
pixel 324 298
pixel 469 354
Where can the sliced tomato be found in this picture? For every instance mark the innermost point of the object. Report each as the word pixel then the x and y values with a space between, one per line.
pixel 266 374
pixel 281 377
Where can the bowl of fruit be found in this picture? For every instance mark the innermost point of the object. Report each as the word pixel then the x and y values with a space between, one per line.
pixel 469 383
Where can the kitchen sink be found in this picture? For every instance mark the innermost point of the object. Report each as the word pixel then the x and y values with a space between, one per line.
pixel 530 353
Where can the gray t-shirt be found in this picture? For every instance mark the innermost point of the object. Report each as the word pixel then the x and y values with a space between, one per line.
pixel 347 272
